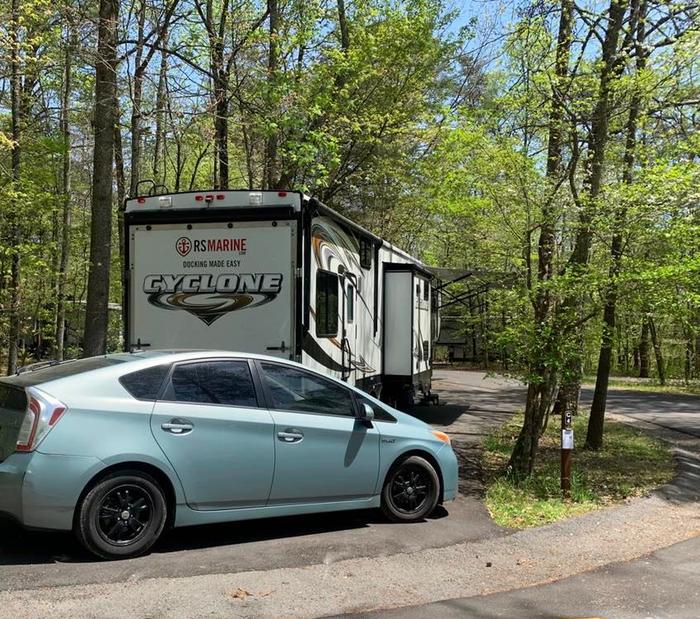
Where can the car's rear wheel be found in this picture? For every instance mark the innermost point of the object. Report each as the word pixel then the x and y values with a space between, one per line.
pixel 122 515
pixel 411 490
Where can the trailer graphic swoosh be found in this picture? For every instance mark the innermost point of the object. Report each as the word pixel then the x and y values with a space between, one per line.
pixel 210 307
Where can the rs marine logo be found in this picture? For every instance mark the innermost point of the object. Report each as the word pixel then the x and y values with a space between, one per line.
pixel 183 246
pixel 209 297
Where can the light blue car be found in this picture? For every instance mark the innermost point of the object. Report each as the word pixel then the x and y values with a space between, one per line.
pixel 117 448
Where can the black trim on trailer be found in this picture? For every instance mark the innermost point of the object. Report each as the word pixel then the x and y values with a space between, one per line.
pixel 263 213
pixel 313 349
pixel 126 285
pixel 306 218
pixel 377 266
pixel 414 268
pixel 298 307
pixel 413 317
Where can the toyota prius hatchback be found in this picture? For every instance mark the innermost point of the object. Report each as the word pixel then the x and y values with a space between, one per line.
pixel 116 448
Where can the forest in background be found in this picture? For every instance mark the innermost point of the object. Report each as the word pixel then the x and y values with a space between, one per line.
pixel 550 147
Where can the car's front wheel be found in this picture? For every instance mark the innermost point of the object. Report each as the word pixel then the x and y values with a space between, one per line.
pixel 411 490
pixel 122 515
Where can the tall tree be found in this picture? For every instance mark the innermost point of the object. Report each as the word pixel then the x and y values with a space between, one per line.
pixel 15 224
pixel 542 375
pixel 63 263
pixel 594 436
pixel 587 201
pixel 96 310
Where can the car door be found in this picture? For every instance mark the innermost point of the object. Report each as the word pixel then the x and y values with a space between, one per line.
pixel 323 453
pixel 217 438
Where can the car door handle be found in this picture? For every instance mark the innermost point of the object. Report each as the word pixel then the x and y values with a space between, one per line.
pixel 290 436
pixel 178 426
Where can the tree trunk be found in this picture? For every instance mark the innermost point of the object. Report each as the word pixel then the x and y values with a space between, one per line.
pixel 158 149
pixel 121 183
pixel 567 399
pixel 96 310
pixel 221 131
pixel 540 387
pixel 271 176
pixel 644 348
pixel 594 436
pixel 64 259
pixel 15 229
pixel 658 354
pixel 136 102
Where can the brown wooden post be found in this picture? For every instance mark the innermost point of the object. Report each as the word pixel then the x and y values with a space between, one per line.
pixel 567 448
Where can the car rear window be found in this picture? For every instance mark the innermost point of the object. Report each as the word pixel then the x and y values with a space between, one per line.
pixel 64 369
pixel 145 384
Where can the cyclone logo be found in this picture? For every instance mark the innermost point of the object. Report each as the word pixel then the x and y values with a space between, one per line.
pixel 208 296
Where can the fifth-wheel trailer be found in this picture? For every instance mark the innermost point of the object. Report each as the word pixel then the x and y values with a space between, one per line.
pixel 278 273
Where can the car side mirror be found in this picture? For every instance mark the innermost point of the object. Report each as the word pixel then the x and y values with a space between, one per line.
pixel 366 412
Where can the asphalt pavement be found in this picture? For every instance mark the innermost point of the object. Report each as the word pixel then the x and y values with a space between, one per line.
pixel 665 584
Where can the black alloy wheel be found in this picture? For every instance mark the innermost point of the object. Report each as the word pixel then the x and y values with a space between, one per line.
pixel 122 515
pixel 411 490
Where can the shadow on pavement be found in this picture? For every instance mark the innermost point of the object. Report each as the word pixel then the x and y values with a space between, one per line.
pixel 22 547
pixel 685 487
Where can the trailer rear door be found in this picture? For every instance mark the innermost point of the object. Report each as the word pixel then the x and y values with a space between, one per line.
pixel 213 285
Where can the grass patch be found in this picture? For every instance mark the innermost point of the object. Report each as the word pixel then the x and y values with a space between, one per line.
pixel 630 464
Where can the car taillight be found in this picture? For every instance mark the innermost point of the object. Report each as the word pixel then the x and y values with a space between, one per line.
pixel 42 414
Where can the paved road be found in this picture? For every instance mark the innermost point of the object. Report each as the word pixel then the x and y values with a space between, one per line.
pixel 674 411
pixel 488 396
pixel 664 584
pixel 43 560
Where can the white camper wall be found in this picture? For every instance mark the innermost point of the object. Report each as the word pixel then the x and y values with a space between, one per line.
pixel 398 301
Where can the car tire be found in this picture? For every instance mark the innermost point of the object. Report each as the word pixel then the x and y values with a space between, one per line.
pixel 122 516
pixel 411 490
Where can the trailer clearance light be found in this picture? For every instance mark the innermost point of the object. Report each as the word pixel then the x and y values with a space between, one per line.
pixel 141 200
pixel 441 436
pixel 255 198
pixel 199 198
pixel 282 194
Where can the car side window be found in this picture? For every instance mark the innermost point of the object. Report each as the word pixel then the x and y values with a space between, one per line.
pixel 296 390
pixel 145 384
pixel 213 382
pixel 380 413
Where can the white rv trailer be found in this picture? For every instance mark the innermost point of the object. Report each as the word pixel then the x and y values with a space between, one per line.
pixel 277 273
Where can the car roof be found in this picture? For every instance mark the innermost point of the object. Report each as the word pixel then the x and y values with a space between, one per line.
pixel 121 363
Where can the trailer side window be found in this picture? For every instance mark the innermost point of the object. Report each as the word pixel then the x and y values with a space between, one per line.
pixel 366 251
pixel 326 304
pixel 350 311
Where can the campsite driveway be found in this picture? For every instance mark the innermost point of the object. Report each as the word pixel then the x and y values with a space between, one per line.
pixel 307 565
pixel 471 405
pixel 45 560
